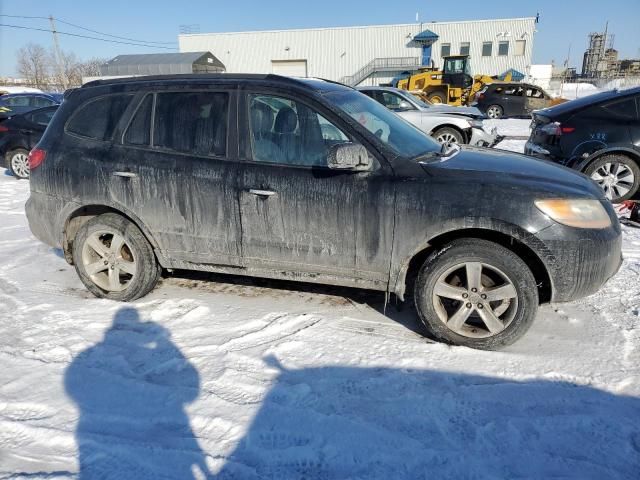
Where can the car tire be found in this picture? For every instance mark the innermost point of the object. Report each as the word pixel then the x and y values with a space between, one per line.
pixel 625 178
pixel 124 272
pixel 454 313
pixel 448 135
pixel 495 111
pixel 18 163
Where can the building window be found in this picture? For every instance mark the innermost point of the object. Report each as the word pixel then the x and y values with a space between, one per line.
pixel 486 49
pixel 503 48
pixel 464 48
pixel 445 50
pixel 520 47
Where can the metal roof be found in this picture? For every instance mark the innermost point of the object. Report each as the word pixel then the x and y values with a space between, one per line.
pixel 162 63
pixel 426 35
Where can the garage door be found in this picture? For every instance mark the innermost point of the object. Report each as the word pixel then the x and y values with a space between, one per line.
pixel 289 68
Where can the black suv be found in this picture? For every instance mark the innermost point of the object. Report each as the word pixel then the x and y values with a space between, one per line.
pixel 598 135
pixel 510 99
pixel 289 179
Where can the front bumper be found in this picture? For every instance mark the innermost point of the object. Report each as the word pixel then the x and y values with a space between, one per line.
pixel 483 138
pixel 580 261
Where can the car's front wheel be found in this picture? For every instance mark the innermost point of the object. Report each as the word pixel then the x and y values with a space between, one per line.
pixel 476 293
pixel 447 135
pixel 617 175
pixel 114 259
pixel 18 163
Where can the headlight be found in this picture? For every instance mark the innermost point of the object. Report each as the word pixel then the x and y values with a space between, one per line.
pixel 476 123
pixel 576 213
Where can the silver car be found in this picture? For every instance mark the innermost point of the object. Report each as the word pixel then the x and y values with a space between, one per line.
pixel 445 123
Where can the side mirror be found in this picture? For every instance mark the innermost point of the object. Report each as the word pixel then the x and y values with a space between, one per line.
pixel 404 105
pixel 349 156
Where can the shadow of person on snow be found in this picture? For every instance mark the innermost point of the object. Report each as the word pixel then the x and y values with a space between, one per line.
pixel 339 422
pixel 131 390
pixel 385 423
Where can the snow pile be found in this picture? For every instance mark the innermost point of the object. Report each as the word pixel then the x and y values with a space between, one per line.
pixel 571 91
pixel 271 380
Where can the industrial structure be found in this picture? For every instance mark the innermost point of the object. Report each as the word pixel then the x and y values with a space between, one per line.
pixel 371 55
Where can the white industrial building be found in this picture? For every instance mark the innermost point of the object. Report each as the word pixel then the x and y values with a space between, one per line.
pixel 373 54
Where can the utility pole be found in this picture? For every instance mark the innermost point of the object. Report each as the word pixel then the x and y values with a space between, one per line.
pixel 56 46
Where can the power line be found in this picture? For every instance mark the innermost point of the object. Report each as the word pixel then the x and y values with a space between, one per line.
pixel 86 36
pixel 87 29
pixel 109 35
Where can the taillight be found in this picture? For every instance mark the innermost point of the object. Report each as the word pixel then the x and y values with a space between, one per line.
pixel 3 128
pixel 555 129
pixel 36 157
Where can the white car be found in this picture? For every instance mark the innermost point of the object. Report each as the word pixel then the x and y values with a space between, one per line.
pixel 445 123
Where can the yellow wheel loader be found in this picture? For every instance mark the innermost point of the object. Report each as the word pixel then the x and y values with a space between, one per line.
pixel 453 84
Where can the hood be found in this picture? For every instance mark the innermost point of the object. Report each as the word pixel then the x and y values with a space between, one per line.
pixel 515 170
pixel 450 110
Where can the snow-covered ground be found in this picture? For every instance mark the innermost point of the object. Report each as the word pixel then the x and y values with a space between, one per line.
pixel 233 378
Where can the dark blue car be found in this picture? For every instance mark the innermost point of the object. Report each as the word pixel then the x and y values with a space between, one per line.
pixel 14 103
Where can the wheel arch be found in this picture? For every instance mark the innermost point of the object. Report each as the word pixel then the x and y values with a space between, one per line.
pixel 515 241
pixel 82 214
pixel 634 155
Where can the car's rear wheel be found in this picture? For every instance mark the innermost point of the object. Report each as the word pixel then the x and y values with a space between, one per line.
pixel 447 135
pixel 617 175
pixel 18 162
pixel 477 294
pixel 114 259
pixel 495 111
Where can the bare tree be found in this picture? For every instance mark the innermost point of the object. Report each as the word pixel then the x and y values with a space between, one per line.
pixel 91 67
pixel 70 69
pixel 33 65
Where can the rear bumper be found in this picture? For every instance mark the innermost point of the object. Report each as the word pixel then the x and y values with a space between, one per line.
pixel 580 261
pixel 42 214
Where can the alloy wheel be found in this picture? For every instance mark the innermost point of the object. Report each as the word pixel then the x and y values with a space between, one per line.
pixel 446 138
pixel 109 261
pixel 475 299
pixel 493 112
pixel 20 164
pixel 615 178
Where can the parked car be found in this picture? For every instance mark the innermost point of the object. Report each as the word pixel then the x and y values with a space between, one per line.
pixel 511 99
pixel 236 174
pixel 19 135
pixel 15 103
pixel 598 135
pixel 445 123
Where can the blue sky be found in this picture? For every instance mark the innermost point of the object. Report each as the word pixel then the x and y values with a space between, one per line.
pixel 561 22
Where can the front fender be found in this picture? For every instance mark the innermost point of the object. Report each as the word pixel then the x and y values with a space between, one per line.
pixel 482 227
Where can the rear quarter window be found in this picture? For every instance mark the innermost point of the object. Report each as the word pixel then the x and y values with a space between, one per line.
pixel 97 119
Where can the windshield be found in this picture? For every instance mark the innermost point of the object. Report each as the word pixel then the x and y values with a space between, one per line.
pixel 395 132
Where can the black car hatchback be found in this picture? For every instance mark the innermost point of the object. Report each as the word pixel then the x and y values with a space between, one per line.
pixel 598 135
pixel 20 134
pixel 290 179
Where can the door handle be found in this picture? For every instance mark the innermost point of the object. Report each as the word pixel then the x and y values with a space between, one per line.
pixel 26 132
pixel 262 193
pixel 125 174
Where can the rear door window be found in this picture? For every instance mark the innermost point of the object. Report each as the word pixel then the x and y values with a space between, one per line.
pixel 139 130
pixel 624 109
pixel 42 117
pixel 192 122
pixel 42 102
pixel 97 119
